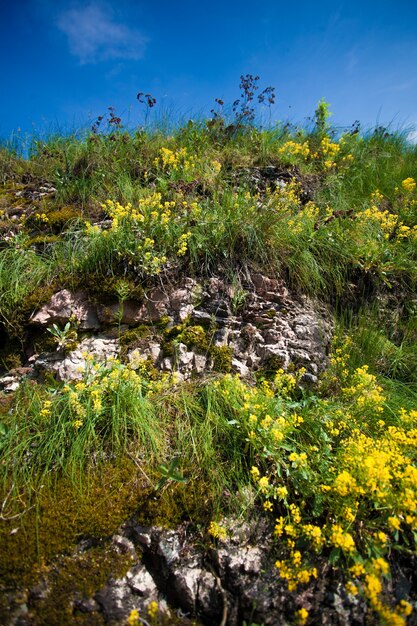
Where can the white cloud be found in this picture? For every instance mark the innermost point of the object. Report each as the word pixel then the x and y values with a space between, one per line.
pixel 94 35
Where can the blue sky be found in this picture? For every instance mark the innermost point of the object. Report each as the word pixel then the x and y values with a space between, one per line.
pixel 64 62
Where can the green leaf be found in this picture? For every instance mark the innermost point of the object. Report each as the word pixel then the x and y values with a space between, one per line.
pixel 334 556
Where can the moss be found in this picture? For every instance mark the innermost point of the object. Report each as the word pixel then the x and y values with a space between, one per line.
pixel 177 503
pixel 164 321
pixel 134 339
pixel 60 217
pixel 8 198
pixel 108 287
pixel 55 219
pixel 41 240
pixel 132 336
pixel 78 576
pixel 43 342
pixel 222 358
pixel 11 361
pixel 167 347
pixel 194 337
pixel 61 513
pixel 42 548
pixel 174 331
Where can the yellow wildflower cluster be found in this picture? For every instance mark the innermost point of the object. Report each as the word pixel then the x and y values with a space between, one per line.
pixel 118 213
pixel 294 571
pixel 136 230
pixel 301 616
pixel 153 609
pixel 341 539
pixel 389 222
pixel 217 531
pixel 298 460
pixel 183 243
pixel 290 150
pixel 285 383
pixel 286 198
pixel 264 430
pixel 369 580
pixel 92 229
pixel 329 151
pixel 178 160
pixel 45 412
pixel 151 262
pixel 364 392
pixel 305 219
pixel 358 463
pixel 93 395
pixel 409 184
pixel 134 618
pixel 332 154
pixel 42 217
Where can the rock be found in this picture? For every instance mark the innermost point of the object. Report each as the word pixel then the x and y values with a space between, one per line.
pixel 185 311
pixel 123 545
pixel 202 316
pixel 8 383
pixel 141 582
pixel 269 288
pixel 152 349
pixel 86 605
pixel 179 298
pixel 130 312
pixel 157 304
pixel 184 357
pixel 64 305
pixel 116 599
pixel 199 364
pixel 72 366
pixel 242 369
pixel 166 365
pixel 275 351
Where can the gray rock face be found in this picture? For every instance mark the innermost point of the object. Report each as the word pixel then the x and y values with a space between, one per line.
pixel 9 383
pixel 72 366
pixel 266 327
pixel 64 305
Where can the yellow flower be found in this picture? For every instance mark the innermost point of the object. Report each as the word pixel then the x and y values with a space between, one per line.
pixel 301 616
pixel 409 184
pixel 281 492
pixel 342 540
pixel 153 609
pixel 217 531
pixel 394 523
pixel 380 566
pixel 133 619
pixel 357 570
pixel 263 484
pixel 404 608
pixel 351 588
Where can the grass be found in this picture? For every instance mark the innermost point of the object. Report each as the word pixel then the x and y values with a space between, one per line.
pixel 334 467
